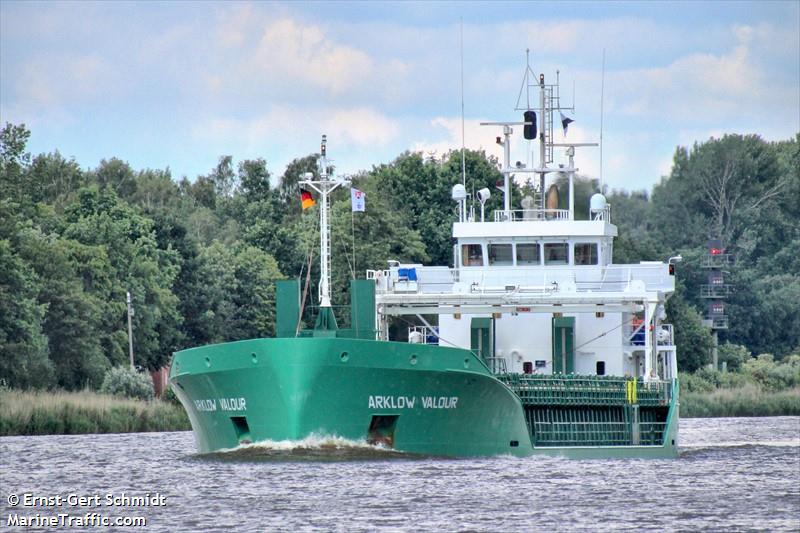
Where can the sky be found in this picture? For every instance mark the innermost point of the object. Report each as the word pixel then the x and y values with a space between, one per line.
pixel 178 84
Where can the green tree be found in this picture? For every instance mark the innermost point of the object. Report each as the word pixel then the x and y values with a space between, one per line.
pixel 74 317
pixel 240 283
pixel 13 160
pixel 421 191
pixel 156 192
pixel 734 355
pixel 223 177
pixel 116 175
pixel 631 213
pixel 99 218
pixel 694 342
pixel 254 180
pixel 24 358
pixel 54 180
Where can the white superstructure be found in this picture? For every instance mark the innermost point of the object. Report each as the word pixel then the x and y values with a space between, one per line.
pixel 532 289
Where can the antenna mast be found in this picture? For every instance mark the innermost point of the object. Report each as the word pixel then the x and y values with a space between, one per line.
pixel 549 102
pixel 324 186
pixel 602 88
pixel 463 155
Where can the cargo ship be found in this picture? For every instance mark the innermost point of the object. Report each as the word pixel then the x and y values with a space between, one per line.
pixel 532 342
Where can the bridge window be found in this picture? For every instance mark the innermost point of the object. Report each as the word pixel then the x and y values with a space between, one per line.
pixel 471 255
pixel 501 254
pixel 586 253
pixel 528 253
pixel 556 253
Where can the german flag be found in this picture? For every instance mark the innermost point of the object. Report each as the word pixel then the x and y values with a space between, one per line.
pixel 306 199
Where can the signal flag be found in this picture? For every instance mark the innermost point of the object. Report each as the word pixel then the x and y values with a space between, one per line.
pixel 306 199
pixel 357 200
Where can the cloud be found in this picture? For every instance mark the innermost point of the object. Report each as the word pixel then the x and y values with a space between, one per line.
pixel 254 52
pixel 47 81
pixel 281 133
pixel 705 86
pixel 300 54
pixel 445 135
pixel 360 127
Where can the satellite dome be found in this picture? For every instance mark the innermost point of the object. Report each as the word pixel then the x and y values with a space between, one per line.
pixel 597 202
pixel 459 192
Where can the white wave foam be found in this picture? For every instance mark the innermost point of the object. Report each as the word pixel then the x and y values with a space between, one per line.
pixel 312 442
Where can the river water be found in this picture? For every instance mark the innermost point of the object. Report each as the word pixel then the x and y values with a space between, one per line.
pixel 734 474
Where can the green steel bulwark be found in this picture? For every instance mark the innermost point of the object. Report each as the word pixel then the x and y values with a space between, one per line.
pixel 415 398
pixel 439 401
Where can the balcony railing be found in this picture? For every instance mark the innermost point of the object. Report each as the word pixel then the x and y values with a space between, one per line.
pixel 527 215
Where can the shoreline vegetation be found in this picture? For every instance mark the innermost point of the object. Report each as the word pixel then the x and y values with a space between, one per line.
pixel 84 412
pixel 756 386
pixel 81 412
pixel 745 402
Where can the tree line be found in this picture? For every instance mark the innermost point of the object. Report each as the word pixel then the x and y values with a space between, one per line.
pixel 200 256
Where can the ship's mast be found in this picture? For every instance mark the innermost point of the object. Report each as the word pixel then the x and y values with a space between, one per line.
pixel 324 186
pixel 549 102
pixel 543 140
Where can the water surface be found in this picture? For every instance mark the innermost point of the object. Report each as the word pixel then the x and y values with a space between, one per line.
pixel 734 474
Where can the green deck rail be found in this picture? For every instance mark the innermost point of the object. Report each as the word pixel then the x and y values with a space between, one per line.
pixel 577 390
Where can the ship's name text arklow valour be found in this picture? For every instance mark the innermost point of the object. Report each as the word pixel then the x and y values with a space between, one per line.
pixel 410 402
pixel 222 404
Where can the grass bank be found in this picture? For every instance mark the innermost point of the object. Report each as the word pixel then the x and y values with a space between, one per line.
pixel 748 400
pixel 67 413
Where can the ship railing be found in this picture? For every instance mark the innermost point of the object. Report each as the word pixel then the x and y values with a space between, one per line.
pixel 611 278
pixel 414 279
pixel 381 279
pixel 528 215
pixel 440 280
pixel 603 213
pixel 535 389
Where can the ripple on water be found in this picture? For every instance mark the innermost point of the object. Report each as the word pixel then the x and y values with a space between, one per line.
pixel 732 474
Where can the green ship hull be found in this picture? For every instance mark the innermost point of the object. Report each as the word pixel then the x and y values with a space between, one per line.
pixel 413 398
